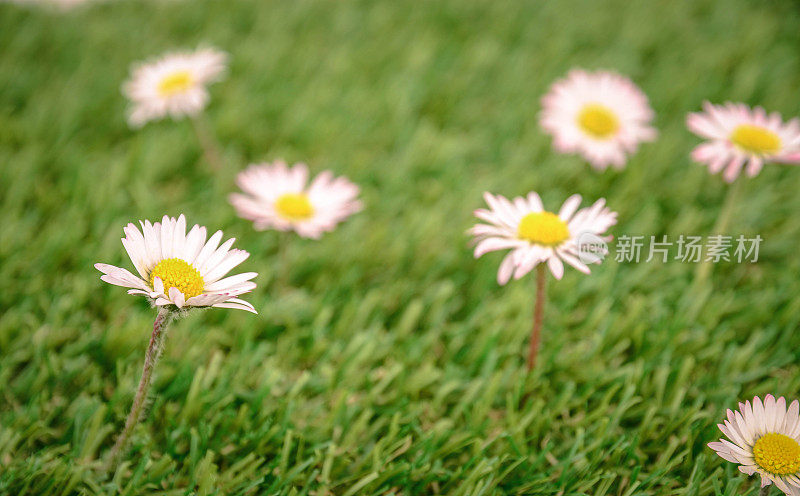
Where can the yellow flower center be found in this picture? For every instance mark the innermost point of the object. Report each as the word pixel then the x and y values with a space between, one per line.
pixel 777 454
pixel 175 83
pixel 544 228
pixel 756 139
pixel 598 121
pixel 294 206
pixel 177 273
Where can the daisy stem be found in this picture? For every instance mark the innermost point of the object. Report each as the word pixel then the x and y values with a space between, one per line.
pixel 538 316
pixel 764 490
pixel 154 350
pixel 723 219
pixel 208 142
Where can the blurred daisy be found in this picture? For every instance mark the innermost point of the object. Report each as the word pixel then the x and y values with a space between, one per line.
pixel 764 438
pixel 537 237
pixel 741 138
pixel 179 270
pixel 601 116
pixel 175 85
pixel 279 197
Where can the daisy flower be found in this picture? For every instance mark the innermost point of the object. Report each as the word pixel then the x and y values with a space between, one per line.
pixel 741 138
pixel 179 270
pixel 173 85
pixel 764 438
pixel 537 237
pixel 279 197
pixel 601 116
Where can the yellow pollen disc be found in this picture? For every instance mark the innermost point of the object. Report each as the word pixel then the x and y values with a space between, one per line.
pixel 544 228
pixel 177 273
pixel 756 139
pixel 598 121
pixel 175 83
pixel 777 454
pixel 294 206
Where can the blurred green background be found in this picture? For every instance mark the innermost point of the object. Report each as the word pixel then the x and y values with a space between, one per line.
pixel 391 363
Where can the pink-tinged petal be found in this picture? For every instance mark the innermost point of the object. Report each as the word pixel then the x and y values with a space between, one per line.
pixel 207 300
pixel 495 244
pixel 207 250
pixel 484 230
pixel 119 277
pixel 535 202
pixel 569 207
pixel 723 452
pixel 167 228
pixel 177 297
pixel 556 267
pixel 792 159
pixel 744 457
pixel 228 262
pixel 194 243
pixel 792 420
pixel 574 262
pixel 759 415
pixel 747 470
pixel 754 166
pixel 237 304
pixel 734 168
pixel 231 281
pixel 158 285
pixel 179 236
pixel 506 269
pixel 747 431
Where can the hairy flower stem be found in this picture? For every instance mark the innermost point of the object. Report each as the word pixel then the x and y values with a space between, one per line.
pixel 723 219
pixel 538 316
pixel 209 144
pixel 764 490
pixel 154 350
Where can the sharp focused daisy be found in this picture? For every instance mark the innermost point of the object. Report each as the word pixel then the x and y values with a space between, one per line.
pixel 742 139
pixel 175 85
pixel 177 271
pixel 601 116
pixel 181 270
pixel 764 438
pixel 537 237
pixel 280 197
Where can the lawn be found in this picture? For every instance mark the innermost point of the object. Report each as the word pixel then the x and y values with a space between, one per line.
pixel 385 360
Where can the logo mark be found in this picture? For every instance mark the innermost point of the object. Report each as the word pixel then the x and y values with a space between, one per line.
pixel 591 248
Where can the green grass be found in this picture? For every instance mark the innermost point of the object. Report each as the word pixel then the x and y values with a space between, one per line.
pixel 392 363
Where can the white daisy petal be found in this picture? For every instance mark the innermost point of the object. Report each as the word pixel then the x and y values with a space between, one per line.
pixel 236 304
pixel 119 277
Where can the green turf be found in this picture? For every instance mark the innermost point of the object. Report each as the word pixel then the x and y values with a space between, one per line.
pixel 391 363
